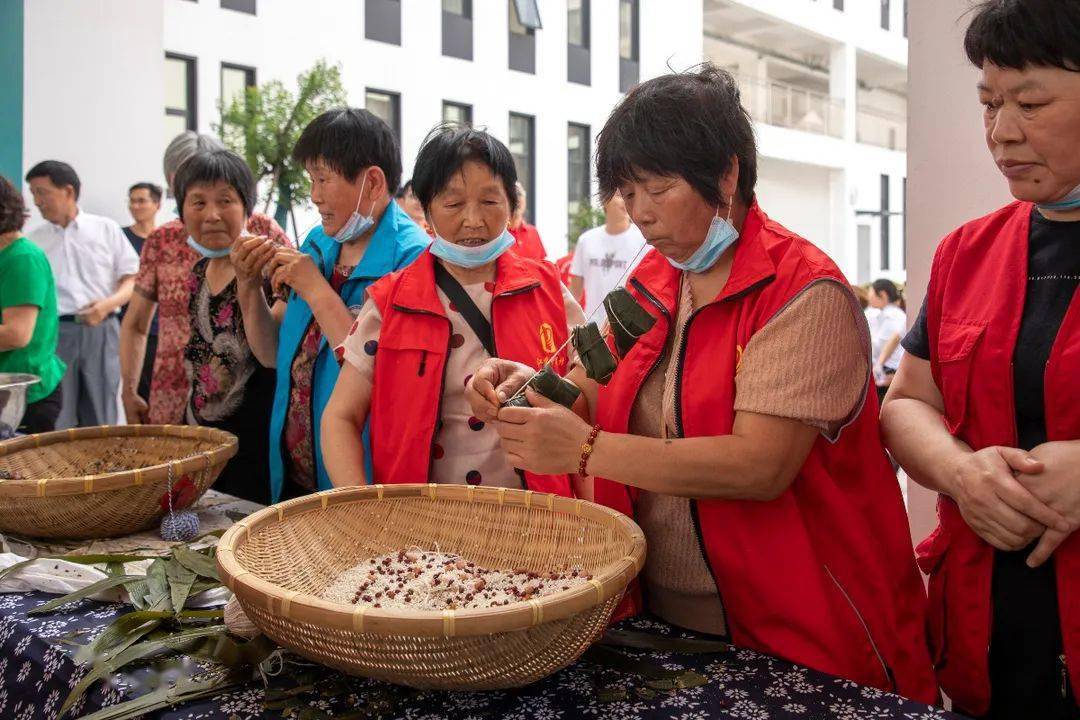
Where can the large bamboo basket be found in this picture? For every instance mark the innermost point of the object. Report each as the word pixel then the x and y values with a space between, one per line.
pixel 280 559
pixel 105 481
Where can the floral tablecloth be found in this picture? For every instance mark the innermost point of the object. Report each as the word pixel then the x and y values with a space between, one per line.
pixel 36 673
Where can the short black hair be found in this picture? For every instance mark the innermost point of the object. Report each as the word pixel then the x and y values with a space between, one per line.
pixel 403 190
pixel 13 212
pixel 349 140
pixel 211 167
pixel 888 287
pixel 59 174
pixel 447 148
pixel 154 190
pixel 686 125
pixel 1018 33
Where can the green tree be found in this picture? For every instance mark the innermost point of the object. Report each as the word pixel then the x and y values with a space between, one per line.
pixel 264 125
pixel 586 218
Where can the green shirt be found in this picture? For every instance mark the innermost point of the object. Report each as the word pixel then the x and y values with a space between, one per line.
pixel 26 279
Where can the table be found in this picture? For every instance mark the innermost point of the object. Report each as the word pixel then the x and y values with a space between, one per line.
pixel 36 671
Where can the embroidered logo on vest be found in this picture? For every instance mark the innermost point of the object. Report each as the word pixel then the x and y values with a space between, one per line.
pixel 738 358
pixel 547 338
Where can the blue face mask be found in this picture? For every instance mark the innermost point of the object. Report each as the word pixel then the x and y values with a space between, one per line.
pixel 205 251
pixel 357 224
pixel 1069 202
pixel 722 235
pixel 471 257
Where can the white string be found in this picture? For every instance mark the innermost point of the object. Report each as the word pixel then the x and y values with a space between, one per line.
pixel 618 284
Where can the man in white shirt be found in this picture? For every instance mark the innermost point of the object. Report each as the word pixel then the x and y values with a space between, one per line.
pixel 603 255
pixel 94 266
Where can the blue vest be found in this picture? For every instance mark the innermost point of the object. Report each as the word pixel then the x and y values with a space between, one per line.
pixel 396 243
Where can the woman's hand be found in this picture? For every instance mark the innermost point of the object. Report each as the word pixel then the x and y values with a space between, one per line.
pixel 297 270
pixel 249 256
pixel 545 438
pixel 1057 485
pixel 494 383
pixel 1000 509
pixel 136 410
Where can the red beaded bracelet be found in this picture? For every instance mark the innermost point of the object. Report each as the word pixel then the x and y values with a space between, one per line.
pixel 586 450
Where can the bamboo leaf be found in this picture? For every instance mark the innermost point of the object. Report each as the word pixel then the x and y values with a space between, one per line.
pixel 178 642
pixel 659 643
pixel 157 586
pixel 183 692
pixel 180 581
pixel 196 562
pixel 615 660
pixel 691 679
pixel 137 593
pixel 114 568
pixel 120 629
pixel 613 693
pixel 92 589
pixel 200 615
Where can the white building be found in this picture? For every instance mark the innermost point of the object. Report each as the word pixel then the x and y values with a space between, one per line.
pixel 826 83
pixel 108 82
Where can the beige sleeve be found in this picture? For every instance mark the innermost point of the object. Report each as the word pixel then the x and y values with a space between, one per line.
pixel 811 362
pixel 358 348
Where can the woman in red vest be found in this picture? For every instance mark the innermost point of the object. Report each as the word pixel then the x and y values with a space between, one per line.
pixel 984 408
pixel 741 430
pixel 426 328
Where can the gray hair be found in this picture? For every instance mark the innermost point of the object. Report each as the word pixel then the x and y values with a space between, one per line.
pixel 183 146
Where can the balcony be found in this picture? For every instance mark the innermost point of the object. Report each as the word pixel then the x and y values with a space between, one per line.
pixel 790 106
pixel 883 128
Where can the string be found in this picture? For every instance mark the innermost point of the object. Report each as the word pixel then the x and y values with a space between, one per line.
pixel 618 283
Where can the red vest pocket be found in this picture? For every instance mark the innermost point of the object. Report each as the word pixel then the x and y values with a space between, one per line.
pixel 956 343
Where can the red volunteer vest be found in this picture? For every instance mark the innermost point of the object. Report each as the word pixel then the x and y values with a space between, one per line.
pixel 975 301
pixel 528 320
pixel 824 575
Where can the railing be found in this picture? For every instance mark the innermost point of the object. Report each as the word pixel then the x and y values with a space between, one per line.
pixel 790 106
pixel 881 127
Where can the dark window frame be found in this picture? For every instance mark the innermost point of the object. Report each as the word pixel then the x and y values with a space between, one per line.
pixel 191 114
pixel 586 149
pixel 250 75
pixel 586 25
pixel 371 29
pixel 886 12
pixel 240 6
pixel 885 218
pixel 461 106
pixel 630 68
pixel 579 56
pixel 457 32
pixel 521 46
pixel 838 5
pixel 395 104
pixel 530 170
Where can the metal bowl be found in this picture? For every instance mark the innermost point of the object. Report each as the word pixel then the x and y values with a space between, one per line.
pixel 13 400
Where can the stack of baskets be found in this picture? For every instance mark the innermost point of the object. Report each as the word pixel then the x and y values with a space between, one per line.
pixel 105 481
pixel 279 561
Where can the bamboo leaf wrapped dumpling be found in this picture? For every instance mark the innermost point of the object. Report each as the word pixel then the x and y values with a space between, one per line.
pixel 628 320
pixel 594 353
pixel 548 383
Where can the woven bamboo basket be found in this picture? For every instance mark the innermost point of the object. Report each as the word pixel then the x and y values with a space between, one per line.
pixel 105 481
pixel 279 560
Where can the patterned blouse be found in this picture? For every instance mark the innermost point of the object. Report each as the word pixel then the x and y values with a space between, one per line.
pixel 164 272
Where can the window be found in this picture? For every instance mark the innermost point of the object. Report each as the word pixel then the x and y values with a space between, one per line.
pixel 244 6
pixel 838 5
pixel 523 148
pixel 524 21
pixel 457 29
pixel 905 17
pixel 457 113
pixel 885 222
pixel 179 95
pixel 577 154
pixel 382 21
pixel 577 41
pixel 235 80
pixel 387 106
pixel 885 8
pixel 629 70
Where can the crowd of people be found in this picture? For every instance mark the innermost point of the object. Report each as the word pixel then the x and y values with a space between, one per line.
pixel 747 426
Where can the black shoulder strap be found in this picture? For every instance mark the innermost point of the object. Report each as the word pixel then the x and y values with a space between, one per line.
pixel 465 305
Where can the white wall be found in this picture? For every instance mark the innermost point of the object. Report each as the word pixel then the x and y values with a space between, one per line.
pixel 797 197
pixel 286 38
pixel 951 176
pixel 94 95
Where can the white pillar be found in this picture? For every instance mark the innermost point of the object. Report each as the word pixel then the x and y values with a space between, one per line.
pixel 951 177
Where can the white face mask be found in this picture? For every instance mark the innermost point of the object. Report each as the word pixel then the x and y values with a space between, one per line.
pixel 357 224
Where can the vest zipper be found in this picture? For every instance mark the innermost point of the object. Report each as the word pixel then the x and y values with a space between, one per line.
pixel 423 363
pixel 1064 676
pixel 866 628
